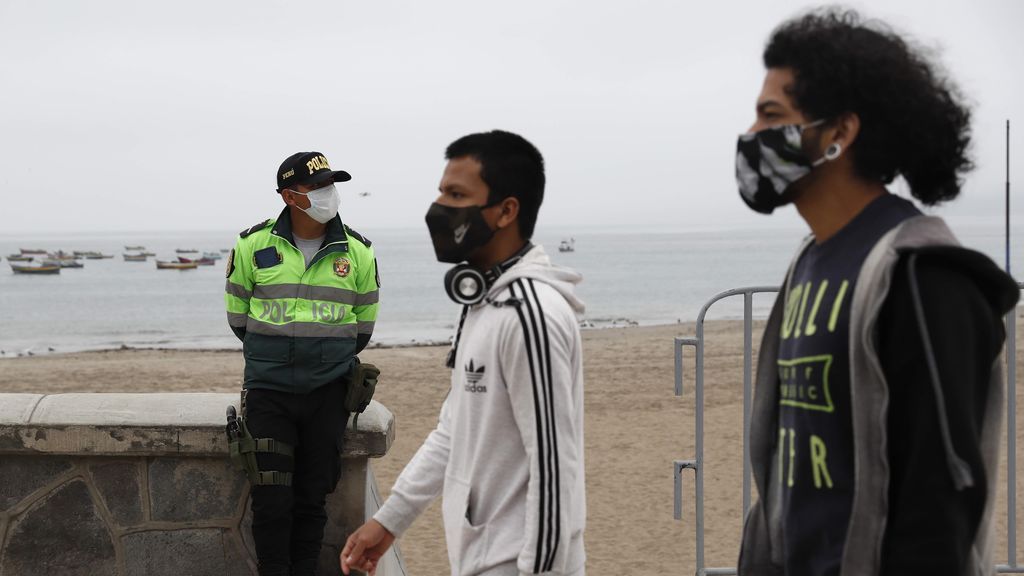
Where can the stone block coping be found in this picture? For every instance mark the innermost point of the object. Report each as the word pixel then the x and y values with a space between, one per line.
pixel 148 425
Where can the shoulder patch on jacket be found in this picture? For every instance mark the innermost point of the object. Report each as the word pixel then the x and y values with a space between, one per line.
pixel 248 231
pixel 366 241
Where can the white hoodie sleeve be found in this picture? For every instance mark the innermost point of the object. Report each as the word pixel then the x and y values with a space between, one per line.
pixel 540 355
pixel 420 482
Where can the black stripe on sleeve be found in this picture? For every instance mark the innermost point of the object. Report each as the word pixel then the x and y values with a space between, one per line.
pixel 539 422
pixel 533 310
pixel 553 435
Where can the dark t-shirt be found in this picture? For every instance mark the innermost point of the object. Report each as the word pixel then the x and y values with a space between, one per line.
pixel 813 467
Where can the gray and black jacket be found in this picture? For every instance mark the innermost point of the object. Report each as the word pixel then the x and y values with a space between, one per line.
pixel 926 373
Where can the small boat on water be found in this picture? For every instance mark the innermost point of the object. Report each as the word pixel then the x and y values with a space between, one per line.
pixel 225 250
pixel 35 269
pixel 32 251
pixel 148 253
pixel 212 255
pixel 187 251
pixel 201 261
pixel 135 257
pixel 167 265
pixel 91 255
pixel 60 255
pixel 135 248
pixel 63 263
pixel 19 258
pixel 567 245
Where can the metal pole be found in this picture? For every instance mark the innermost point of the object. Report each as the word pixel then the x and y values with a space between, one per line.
pixel 1011 437
pixel 748 312
pixel 677 477
pixel 699 445
pixel 698 463
pixel 1011 394
pixel 679 365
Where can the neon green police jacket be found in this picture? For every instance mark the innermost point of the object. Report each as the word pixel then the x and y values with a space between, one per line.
pixel 300 326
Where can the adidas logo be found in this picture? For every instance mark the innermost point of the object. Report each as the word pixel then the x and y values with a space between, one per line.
pixel 473 377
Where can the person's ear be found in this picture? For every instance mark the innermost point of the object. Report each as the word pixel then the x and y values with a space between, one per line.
pixel 288 197
pixel 509 212
pixel 845 130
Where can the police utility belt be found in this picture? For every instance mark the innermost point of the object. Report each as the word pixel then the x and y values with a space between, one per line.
pixel 243 448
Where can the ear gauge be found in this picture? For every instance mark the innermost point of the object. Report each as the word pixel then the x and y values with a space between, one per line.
pixel 833 151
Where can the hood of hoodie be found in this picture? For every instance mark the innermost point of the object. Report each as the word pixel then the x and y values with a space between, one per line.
pixel 537 265
pixel 998 287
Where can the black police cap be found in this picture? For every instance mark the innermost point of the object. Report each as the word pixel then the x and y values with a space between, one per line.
pixel 307 168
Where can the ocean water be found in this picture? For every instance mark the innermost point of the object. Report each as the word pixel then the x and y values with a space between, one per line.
pixel 631 277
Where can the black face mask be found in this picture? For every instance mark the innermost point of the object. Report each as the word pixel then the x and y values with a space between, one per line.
pixel 457 232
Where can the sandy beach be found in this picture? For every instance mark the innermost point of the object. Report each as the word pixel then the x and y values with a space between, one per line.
pixel 635 428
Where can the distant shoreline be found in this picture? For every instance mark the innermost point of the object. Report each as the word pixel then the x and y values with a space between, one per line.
pixel 183 349
pixel 585 326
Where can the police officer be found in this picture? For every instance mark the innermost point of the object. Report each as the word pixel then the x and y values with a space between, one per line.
pixel 301 294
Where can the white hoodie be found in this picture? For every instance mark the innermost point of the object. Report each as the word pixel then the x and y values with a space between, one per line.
pixel 508 448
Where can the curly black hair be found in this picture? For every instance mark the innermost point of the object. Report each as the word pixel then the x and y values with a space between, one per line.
pixel 914 122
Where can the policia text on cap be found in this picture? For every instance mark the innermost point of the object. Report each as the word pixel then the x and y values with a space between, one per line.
pixel 301 294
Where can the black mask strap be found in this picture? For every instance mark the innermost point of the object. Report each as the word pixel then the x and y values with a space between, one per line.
pixel 495 272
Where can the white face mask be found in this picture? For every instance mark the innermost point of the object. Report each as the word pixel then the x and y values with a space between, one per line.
pixel 323 203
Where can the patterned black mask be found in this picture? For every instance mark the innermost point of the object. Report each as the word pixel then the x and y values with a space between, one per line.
pixel 769 161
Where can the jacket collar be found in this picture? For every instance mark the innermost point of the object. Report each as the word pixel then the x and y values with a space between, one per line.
pixel 334 233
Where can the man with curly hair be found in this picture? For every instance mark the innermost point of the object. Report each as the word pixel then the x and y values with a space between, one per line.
pixel 877 413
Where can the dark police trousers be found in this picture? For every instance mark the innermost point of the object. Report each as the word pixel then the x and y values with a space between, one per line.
pixel 288 521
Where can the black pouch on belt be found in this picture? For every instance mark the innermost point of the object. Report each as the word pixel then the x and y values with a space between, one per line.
pixel 361 384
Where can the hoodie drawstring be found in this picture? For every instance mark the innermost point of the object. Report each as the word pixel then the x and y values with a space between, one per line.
pixel 449 361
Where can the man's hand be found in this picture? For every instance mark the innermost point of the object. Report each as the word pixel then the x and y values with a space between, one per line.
pixel 365 546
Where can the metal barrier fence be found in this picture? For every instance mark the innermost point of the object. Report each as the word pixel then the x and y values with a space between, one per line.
pixel 697 463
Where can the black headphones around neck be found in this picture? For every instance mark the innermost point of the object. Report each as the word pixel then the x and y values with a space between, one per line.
pixel 468 286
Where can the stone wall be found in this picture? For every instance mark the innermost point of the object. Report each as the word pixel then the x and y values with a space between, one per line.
pixel 140 484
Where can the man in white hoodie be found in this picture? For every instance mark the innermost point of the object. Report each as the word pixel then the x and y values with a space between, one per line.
pixel 507 453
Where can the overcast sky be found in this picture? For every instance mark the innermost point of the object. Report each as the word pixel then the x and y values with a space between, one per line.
pixel 127 115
